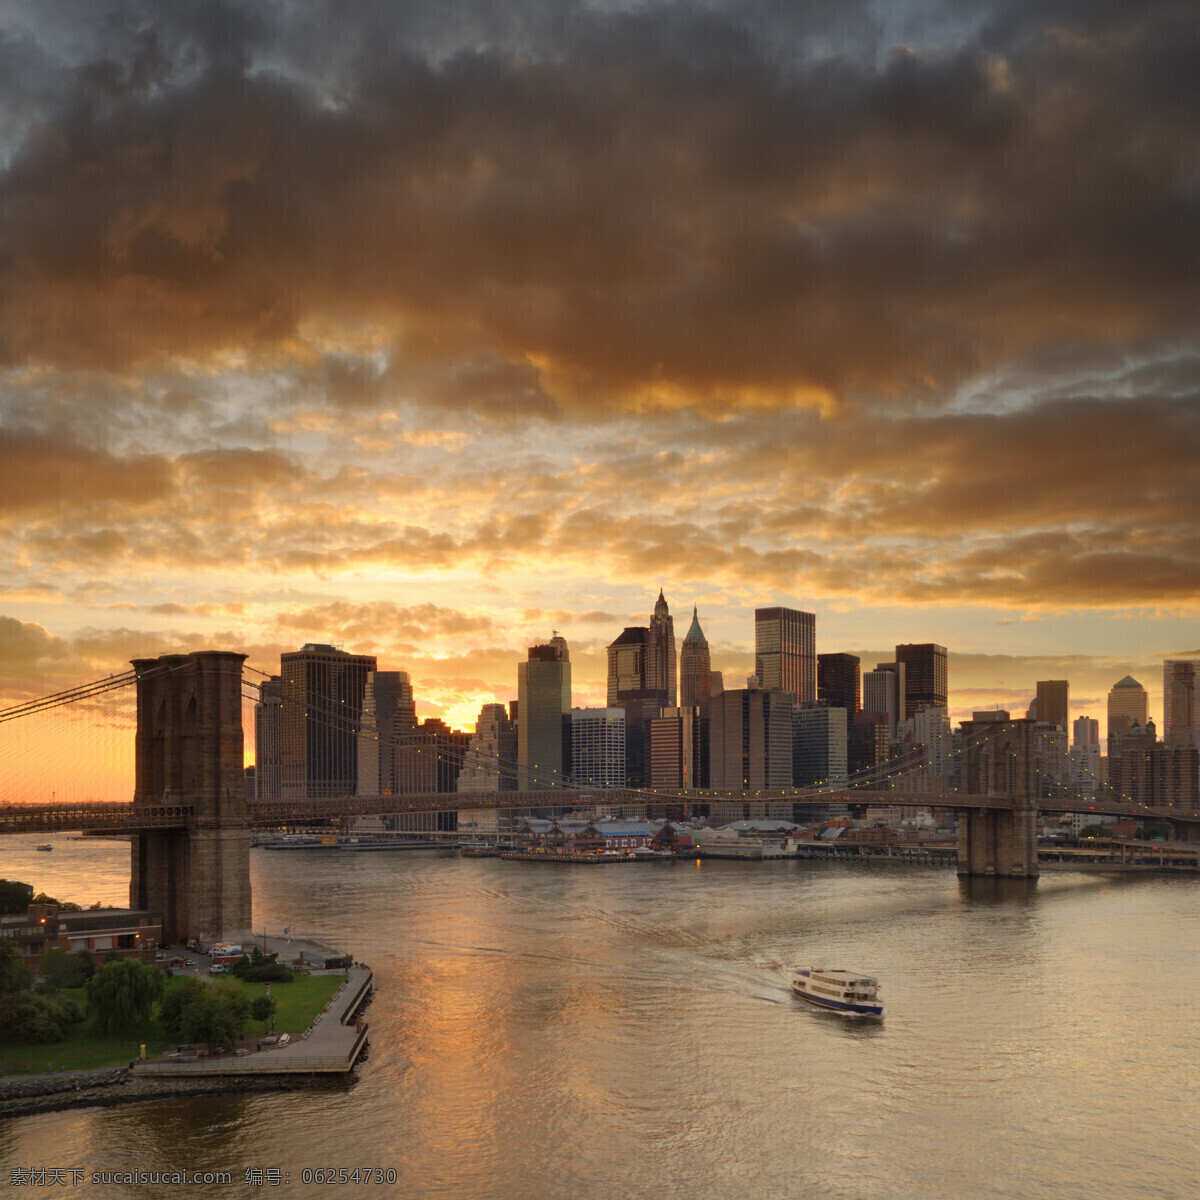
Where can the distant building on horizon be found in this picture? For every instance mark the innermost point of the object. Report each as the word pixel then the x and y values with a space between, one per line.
pixel 785 652
pixel 695 669
pixel 598 747
pixel 926 677
pixel 750 740
pixel 268 740
pixel 661 653
pixel 323 690
pixel 1052 703
pixel 491 761
pixel 1128 704
pixel 839 681
pixel 389 716
pixel 544 724
pixel 1181 704
pixel 819 745
pixel 883 692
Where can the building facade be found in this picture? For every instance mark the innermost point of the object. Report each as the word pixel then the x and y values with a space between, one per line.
pixel 1128 705
pixel 679 749
pixel 323 690
pixel 883 692
pixel 785 652
pixel 750 740
pixel 1181 705
pixel 598 747
pixel 661 654
pixel 389 719
pixel 695 669
pixel 926 676
pixel 491 762
pixel 268 740
pixel 1052 701
pixel 544 724
pixel 839 681
pixel 819 745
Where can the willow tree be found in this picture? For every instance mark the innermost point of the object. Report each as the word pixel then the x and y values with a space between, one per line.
pixel 121 995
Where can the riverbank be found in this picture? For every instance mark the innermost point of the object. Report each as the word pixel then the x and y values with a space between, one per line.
pixel 323 1056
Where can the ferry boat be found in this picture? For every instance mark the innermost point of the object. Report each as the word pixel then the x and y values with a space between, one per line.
pixel 842 991
pixel 44 846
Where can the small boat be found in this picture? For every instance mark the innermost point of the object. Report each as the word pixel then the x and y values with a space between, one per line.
pixel 842 991
pixel 44 846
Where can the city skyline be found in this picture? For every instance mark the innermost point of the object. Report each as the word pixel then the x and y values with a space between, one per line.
pixel 495 323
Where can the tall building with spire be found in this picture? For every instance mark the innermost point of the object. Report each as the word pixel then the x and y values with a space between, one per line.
pixel 695 669
pixel 660 658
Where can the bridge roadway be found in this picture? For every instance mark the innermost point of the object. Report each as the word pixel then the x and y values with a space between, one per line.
pixel 125 818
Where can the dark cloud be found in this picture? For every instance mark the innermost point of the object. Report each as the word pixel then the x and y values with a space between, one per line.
pixel 607 208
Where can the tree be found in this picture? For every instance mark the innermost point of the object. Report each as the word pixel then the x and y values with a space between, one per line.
pixel 1153 831
pixel 1094 831
pixel 62 969
pixel 15 976
pixel 218 1016
pixel 176 1001
pixel 263 1009
pixel 122 994
pixel 15 897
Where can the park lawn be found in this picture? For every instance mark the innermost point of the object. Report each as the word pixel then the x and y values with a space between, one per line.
pixel 84 1049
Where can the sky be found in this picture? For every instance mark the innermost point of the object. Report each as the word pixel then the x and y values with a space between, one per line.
pixel 428 329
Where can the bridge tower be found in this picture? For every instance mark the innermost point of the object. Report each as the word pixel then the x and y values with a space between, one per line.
pixel 998 760
pixel 189 752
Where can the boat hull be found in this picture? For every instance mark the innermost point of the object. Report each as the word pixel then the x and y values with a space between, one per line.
pixel 844 1006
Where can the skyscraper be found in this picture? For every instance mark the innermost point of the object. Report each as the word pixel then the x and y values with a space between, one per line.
pixel 268 740
pixel 634 662
pixel 819 744
pixel 323 690
pixel 660 661
pixel 598 747
pixel 785 654
pixel 1052 701
pixel 1128 702
pixel 925 676
pixel 491 762
pixel 839 681
pixel 544 726
pixel 883 692
pixel 678 749
pixel 1181 704
pixel 389 716
pixel 695 669
pixel 750 742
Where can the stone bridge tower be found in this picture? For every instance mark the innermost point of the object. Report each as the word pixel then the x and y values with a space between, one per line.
pixel 998 761
pixel 189 753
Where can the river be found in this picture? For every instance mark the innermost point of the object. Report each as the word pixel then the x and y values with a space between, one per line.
pixel 570 1033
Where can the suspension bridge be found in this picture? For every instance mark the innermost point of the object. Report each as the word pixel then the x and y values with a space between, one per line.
pixel 190 820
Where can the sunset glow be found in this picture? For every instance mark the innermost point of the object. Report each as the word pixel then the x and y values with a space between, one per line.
pixel 426 330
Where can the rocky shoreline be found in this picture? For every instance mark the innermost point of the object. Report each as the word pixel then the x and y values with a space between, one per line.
pixel 27 1096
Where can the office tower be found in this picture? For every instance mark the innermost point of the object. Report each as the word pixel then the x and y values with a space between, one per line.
pixel 1128 703
pixel 660 646
pixel 1085 754
pixel 718 684
pixel 323 690
pixel 1052 701
pixel 925 677
pixel 544 728
pixel 819 745
pixel 785 652
pixel 839 681
pixel 929 729
pixel 598 747
pixel 631 668
pixel 883 692
pixel 389 716
pixel 491 762
pixel 750 740
pixel 1181 705
pixel 268 740
pixel 868 742
pixel 695 669
pixel 679 749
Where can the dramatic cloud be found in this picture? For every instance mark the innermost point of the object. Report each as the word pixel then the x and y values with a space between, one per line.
pixel 428 329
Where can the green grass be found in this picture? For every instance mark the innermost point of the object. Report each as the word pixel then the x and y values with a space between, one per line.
pixel 84 1049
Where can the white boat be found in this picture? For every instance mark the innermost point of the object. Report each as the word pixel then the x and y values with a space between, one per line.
pixel 842 991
